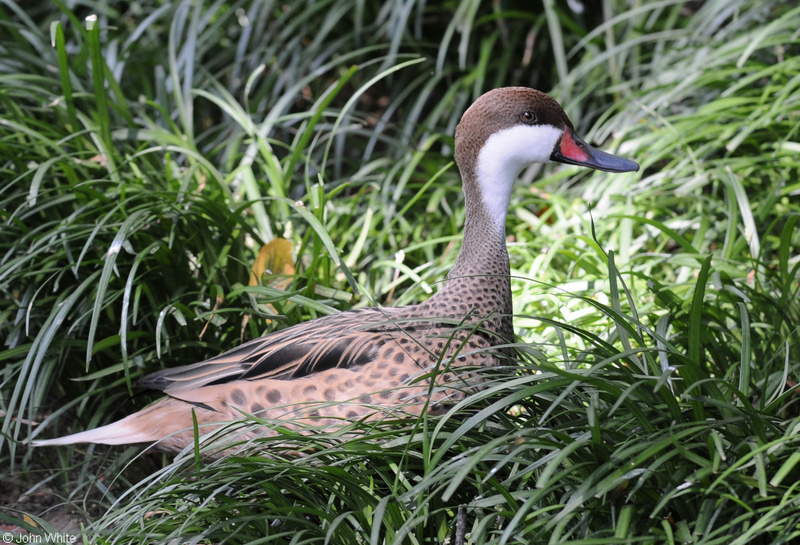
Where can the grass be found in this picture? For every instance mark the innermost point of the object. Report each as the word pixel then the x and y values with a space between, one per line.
pixel 146 158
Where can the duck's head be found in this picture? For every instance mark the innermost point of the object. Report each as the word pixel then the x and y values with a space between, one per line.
pixel 510 128
pixel 525 126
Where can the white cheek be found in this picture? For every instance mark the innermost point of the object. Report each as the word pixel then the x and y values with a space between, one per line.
pixel 503 157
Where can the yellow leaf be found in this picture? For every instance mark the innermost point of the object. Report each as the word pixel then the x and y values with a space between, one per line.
pixel 274 258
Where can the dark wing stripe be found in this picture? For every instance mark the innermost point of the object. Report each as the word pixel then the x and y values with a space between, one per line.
pixel 293 361
pixel 343 340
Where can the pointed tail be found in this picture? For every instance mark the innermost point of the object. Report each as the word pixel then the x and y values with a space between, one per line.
pixel 161 419
pixel 121 432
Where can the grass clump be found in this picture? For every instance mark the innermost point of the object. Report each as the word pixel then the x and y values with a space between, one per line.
pixel 147 156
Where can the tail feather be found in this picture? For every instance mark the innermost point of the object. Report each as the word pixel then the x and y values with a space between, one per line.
pixel 161 420
pixel 121 432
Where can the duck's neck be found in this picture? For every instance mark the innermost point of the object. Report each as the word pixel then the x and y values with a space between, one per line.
pixel 480 276
pixel 483 254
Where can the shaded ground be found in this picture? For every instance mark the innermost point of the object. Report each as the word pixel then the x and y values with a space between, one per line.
pixel 64 502
pixel 22 499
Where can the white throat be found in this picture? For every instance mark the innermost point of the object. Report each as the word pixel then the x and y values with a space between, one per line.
pixel 503 157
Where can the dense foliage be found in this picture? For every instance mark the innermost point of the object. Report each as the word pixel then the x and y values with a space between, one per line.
pixel 148 154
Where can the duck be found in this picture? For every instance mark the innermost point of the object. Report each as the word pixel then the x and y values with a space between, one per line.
pixel 372 362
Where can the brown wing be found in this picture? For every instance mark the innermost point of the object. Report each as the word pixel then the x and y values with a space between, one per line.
pixel 343 340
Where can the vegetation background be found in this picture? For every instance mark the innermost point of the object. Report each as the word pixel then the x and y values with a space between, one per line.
pixel 148 149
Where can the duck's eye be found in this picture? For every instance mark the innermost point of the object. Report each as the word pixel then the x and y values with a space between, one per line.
pixel 528 117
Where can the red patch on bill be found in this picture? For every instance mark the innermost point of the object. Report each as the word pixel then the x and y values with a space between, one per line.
pixel 570 149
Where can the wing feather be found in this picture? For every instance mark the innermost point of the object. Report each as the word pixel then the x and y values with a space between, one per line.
pixel 343 340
